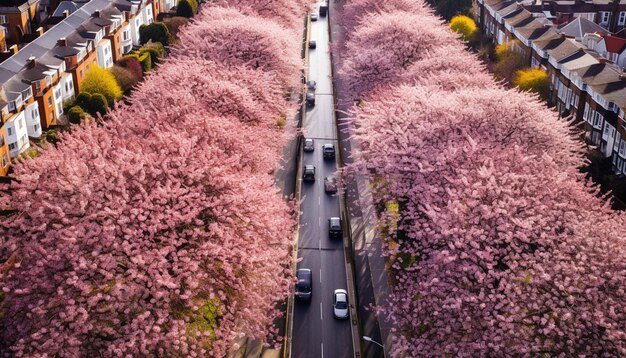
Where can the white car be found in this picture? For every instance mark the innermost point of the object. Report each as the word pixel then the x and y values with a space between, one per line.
pixel 314 17
pixel 340 304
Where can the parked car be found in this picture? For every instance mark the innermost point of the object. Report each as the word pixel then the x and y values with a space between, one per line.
pixel 309 145
pixel 334 227
pixel 340 304
pixel 329 151
pixel 304 286
pixel 312 44
pixel 310 99
pixel 330 185
pixel 308 173
pixel 311 86
pixel 314 17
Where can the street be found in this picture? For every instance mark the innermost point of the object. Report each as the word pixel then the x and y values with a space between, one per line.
pixel 316 333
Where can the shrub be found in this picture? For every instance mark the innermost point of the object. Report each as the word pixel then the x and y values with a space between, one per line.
pixel 100 80
pixel 174 23
pixel 194 5
pixel 75 114
pixel 98 104
pixel 155 49
pixel 508 61
pixel 83 99
pixel 144 58
pixel 155 32
pixel 534 80
pixel 465 26
pixel 184 9
pixel 133 65
pixel 52 136
pixel 124 77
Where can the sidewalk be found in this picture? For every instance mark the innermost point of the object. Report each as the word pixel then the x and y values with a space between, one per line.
pixel 371 276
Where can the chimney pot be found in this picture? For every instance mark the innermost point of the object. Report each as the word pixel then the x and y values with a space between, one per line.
pixel 62 41
pixel 96 13
pixel 32 62
pixel 66 13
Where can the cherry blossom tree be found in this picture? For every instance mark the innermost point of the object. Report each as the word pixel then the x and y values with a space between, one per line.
pixel 287 13
pixel 236 40
pixel 498 245
pixel 158 231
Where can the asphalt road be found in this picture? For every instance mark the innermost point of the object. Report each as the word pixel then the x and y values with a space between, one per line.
pixel 316 333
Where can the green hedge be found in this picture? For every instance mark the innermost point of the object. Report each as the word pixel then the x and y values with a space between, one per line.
pixel 144 58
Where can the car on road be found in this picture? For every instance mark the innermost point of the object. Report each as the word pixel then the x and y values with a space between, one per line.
pixel 323 9
pixel 304 286
pixel 309 173
pixel 314 16
pixel 311 86
pixel 334 227
pixel 330 185
pixel 329 151
pixel 309 145
pixel 310 99
pixel 340 304
pixel 312 44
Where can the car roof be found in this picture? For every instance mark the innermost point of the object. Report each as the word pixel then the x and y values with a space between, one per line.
pixel 328 145
pixel 308 140
pixel 309 166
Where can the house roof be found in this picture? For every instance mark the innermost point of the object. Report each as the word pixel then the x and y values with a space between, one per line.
pixel 35 73
pixel 532 30
pixel 70 6
pixel 579 60
pixel 614 44
pixel 578 27
pixel 565 49
pixel 599 73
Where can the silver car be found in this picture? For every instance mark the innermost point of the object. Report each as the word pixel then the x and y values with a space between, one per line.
pixel 340 304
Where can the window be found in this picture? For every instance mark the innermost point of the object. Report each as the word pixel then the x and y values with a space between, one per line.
pixel 622 18
pixel 36 127
pixel 9 131
pixel 50 101
pixel 3 19
pixel 5 161
pixel 604 17
pixel 20 124
pixel 52 115
pixel 37 85
pixel 622 148
pixel 12 146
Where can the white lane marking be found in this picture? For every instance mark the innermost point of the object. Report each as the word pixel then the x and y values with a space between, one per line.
pixel 321 312
pixel 320 242
pixel 320 275
pixel 319 221
pixel 319 201
pixel 322 350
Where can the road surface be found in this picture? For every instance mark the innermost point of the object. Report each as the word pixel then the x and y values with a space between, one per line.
pixel 315 331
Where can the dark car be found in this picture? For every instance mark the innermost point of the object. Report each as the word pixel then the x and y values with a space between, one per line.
pixel 311 86
pixel 329 151
pixel 334 227
pixel 330 185
pixel 309 145
pixel 313 17
pixel 323 9
pixel 312 44
pixel 304 286
pixel 309 173
pixel 310 99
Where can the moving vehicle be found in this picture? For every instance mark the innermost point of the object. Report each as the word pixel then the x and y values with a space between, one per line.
pixel 314 17
pixel 340 304
pixel 323 9
pixel 329 151
pixel 309 145
pixel 312 44
pixel 308 174
pixel 330 185
pixel 311 86
pixel 310 99
pixel 304 286
pixel 334 227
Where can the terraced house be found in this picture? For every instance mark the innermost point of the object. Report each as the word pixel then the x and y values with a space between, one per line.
pixel 572 41
pixel 37 79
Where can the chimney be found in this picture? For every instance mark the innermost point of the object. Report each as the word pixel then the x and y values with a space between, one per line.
pixel 31 62
pixel 96 13
pixel 66 13
pixel 39 31
pixel 62 41
pixel 13 49
pixel 622 76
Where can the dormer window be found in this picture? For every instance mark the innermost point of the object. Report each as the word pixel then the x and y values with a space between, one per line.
pixel 38 85
pixel 28 93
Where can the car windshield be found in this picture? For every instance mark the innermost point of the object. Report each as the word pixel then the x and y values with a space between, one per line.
pixel 342 305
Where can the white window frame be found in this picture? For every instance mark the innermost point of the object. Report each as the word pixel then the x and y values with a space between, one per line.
pixel 622 18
